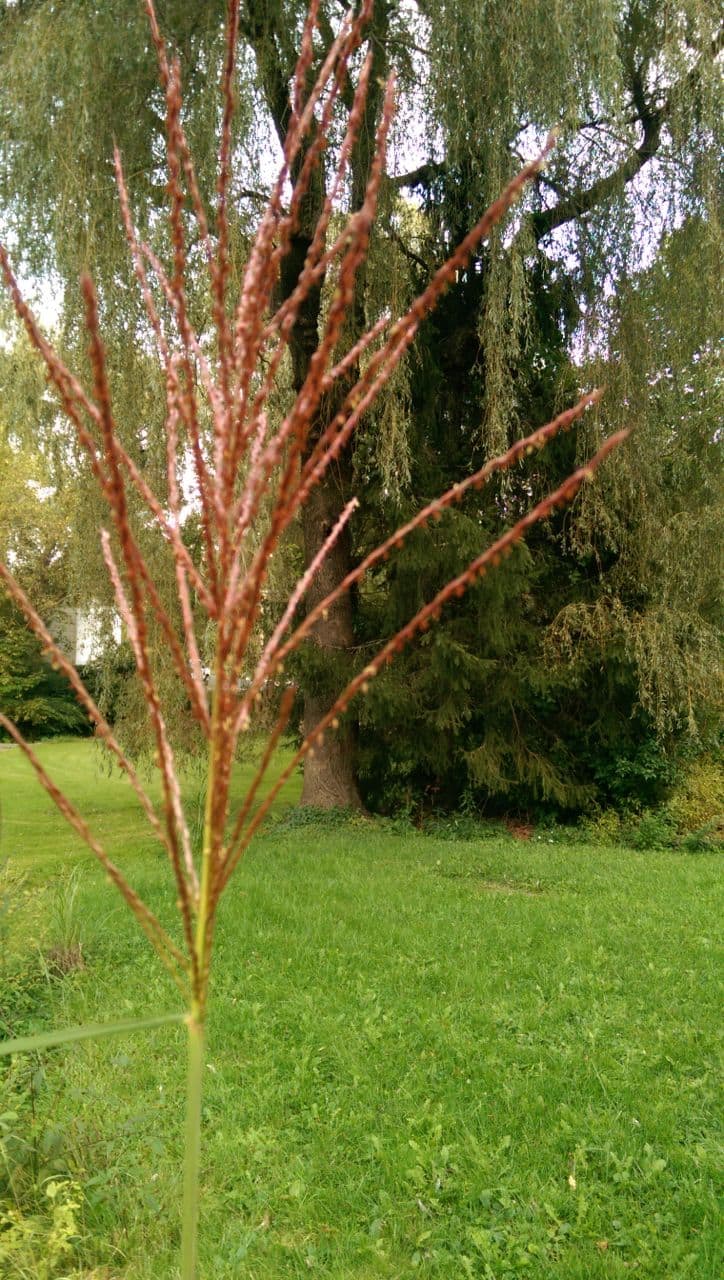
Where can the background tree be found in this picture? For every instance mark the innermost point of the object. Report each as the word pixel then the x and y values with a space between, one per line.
pixel 591 666
pixel 36 512
pixel 635 89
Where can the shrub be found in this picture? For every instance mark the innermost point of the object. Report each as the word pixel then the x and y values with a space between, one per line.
pixel 653 830
pixel 37 698
pixel 603 827
pixel 42 1244
pixel 698 799
pixel 708 839
pixel 634 772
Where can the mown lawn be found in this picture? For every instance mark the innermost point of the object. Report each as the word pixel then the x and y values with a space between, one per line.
pixel 428 1058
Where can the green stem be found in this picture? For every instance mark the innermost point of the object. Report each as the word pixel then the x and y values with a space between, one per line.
pixel 192 1152
pixel 197 1015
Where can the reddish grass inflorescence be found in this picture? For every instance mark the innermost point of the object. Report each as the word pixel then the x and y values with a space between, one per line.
pixel 244 464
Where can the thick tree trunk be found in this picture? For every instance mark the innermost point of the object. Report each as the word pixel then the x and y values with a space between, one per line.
pixel 330 774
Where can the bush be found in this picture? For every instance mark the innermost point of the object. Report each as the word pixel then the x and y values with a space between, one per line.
pixel 653 830
pixel 634 772
pixel 34 695
pixel 603 827
pixel 42 1243
pixel 698 799
pixel 708 839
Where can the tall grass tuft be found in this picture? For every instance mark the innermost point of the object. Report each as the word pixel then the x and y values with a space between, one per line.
pixel 247 470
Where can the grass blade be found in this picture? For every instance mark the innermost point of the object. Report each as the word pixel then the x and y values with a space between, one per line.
pixel 90 1031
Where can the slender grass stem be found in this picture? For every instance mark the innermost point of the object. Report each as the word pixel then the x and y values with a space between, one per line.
pixel 192 1151
pixel 197 1017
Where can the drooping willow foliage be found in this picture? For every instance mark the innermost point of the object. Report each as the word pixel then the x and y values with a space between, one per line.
pixel 661 530
pixel 479 85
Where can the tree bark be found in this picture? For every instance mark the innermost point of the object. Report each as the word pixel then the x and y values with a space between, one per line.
pixel 330 773
pixel 330 779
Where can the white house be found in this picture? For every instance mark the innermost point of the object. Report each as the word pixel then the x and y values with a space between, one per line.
pixel 83 633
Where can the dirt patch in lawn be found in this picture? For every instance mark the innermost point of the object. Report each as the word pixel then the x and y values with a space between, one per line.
pixel 478 882
pixel 504 886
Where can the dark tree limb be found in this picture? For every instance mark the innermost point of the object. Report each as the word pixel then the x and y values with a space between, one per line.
pixel 423 176
pixel 409 253
pixel 652 120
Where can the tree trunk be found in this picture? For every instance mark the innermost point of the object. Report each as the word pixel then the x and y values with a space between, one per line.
pixel 329 774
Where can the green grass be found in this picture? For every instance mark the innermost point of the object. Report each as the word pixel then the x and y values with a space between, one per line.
pixel 427 1058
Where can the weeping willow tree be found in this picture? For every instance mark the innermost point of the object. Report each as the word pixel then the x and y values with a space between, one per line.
pixel 494 706
pixel 652 611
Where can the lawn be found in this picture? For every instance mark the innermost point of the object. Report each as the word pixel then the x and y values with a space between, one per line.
pixel 429 1058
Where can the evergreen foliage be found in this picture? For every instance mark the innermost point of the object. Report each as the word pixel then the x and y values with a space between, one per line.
pixel 36 697
pixel 589 667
